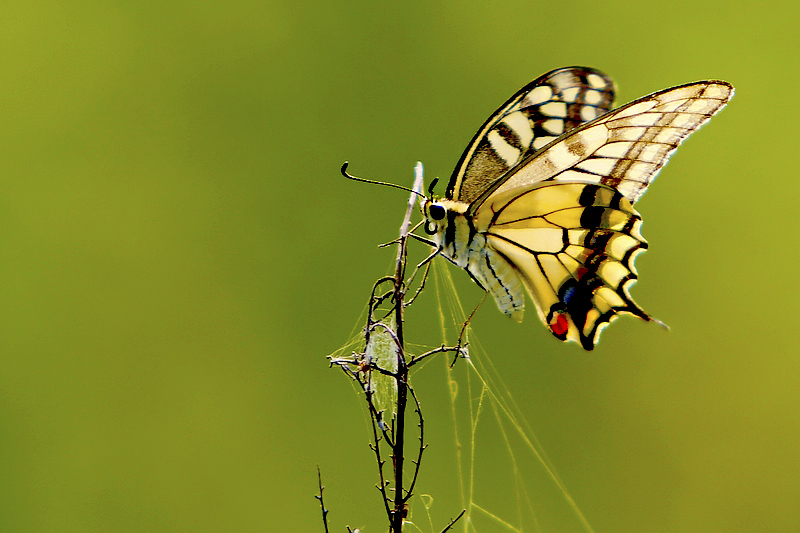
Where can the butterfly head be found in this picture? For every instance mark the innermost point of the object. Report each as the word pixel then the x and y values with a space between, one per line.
pixel 435 216
pixel 441 214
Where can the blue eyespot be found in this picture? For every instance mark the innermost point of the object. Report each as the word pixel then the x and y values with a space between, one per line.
pixel 569 293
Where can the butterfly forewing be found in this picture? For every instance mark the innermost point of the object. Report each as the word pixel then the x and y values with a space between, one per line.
pixel 538 113
pixel 625 148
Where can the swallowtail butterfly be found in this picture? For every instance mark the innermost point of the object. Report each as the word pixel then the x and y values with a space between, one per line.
pixel 542 198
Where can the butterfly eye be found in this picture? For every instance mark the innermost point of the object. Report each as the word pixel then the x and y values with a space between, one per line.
pixel 437 212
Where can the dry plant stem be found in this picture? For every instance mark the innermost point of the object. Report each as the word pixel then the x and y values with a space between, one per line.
pixel 376 448
pixel 322 503
pixel 459 350
pixel 398 512
pixel 391 433
pixel 422 444
pixel 422 283
pixel 453 521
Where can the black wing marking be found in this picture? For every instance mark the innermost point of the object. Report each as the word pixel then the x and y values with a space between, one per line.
pixel 538 113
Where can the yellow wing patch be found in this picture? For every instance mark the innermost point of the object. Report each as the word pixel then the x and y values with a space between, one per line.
pixel 573 246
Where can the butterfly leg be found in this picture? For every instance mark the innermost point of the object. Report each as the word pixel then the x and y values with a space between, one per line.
pixel 421 285
pixel 410 234
pixel 423 239
pixel 463 346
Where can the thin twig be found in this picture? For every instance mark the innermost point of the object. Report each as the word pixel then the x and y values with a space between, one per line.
pixel 376 449
pixel 410 234
pixel 399 511
pixel 321 503
pixel 453 521
pixel 469 319
pixel 421 285
pixel 395 337
pixel 390 433
pixel 460 350
pixel 422 445
pixel 377 416
pixel 461 343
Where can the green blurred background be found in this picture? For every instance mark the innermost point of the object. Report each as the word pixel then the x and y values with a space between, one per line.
pixel 178 253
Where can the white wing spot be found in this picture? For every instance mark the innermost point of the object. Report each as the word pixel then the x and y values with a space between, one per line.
pixel 594 137
pixel 653 152
pixel 570 95
pixel 670 135
pixel 540 94
pixel 600 166
pixel 635 109
pixel 592 97
pixel 686 120
pixel 627 133
pixel 717 91
pixel 561 157
pixel 588 113
pixel 554 109
pixel 645 119
pixel 702 106
pixel 562 79
pixel 629 189
pixel 573 175
pixel 596 82
pixel 538 142
pixel 554 126
pixel 519 124
pixel 639 171
pixel 692 91
pixel 614 149
pixel 507 153
pixel 668 107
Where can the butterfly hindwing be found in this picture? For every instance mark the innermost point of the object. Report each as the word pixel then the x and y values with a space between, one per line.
pixel 538 113
pixel 573 245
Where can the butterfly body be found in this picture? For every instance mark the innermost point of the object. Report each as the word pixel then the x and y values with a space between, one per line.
pixel 463 240
pixel 542 199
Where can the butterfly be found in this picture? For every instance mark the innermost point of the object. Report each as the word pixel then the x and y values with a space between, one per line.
pixel 541 200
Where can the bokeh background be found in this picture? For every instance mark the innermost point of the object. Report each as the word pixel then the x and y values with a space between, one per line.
pixel 178 254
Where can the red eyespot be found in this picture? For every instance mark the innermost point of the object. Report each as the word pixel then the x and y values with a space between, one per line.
pixel 560 326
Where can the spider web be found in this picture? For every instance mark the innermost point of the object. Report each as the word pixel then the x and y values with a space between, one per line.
pixel 505 481
pixel 494 468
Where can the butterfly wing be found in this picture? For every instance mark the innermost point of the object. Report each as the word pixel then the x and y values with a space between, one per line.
pixel 573 245
pixel 547 107
pixel 623 149
pixel 563 218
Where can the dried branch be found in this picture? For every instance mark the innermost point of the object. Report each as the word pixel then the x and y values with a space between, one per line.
pixel 459 350
pixel 421 285
pixel 321 503
pixel 453 521
pixel 384 357
pixel 422 444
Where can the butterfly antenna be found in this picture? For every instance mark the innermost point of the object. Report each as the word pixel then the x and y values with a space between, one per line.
pixel 354 178
pixel 431 186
